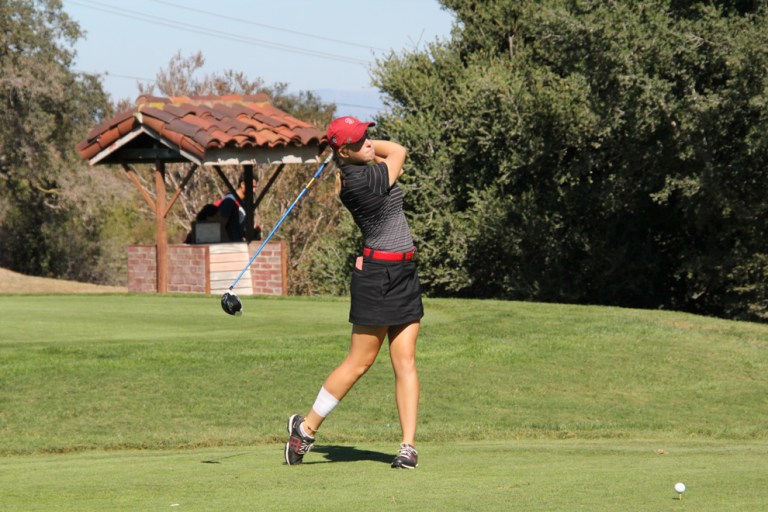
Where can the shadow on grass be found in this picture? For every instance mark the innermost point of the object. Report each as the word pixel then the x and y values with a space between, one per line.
pixel 348 454
pixel 218 461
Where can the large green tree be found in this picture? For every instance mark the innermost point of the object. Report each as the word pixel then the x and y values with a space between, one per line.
pixel 46 227
pixel 608 152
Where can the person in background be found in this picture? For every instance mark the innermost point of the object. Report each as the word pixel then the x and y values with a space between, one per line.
pixel 232 213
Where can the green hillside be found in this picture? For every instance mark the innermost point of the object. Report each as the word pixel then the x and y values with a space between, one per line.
pixel 84 372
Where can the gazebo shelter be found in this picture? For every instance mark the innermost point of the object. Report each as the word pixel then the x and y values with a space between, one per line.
pixel 204 131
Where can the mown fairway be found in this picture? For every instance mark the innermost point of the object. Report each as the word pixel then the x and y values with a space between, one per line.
pixel 142 402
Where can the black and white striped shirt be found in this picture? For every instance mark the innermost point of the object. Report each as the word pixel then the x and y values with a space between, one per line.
pixel 376 207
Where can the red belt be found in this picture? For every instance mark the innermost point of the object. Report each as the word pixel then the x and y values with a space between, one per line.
pixel 388 256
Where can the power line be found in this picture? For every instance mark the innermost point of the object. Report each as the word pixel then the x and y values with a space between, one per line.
pixel 127 13
pixel 375 109
pixel 212 33
pixel 115 75
pixel 271 27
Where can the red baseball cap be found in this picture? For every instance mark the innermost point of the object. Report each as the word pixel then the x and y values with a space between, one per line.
pixel 345 130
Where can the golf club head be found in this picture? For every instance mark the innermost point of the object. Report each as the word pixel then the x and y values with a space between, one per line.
pixel 231 304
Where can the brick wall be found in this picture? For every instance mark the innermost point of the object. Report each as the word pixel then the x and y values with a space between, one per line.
pixel 142 268
pixel 190 269
pixel 269 272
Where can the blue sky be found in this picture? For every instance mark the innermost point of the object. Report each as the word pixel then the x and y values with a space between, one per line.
pixel 324 46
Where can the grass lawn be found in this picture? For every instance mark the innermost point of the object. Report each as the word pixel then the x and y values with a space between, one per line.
pixel 144 402
pixel 529 475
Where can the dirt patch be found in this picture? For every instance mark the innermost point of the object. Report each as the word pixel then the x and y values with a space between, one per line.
pixel 13 282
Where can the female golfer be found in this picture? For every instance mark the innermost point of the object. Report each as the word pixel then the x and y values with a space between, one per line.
pixel 385 289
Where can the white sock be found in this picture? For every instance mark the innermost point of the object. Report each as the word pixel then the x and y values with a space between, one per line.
pixel 304 432
pixel 324 403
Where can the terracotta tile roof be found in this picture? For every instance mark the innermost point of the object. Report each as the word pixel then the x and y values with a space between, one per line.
pixel 195 124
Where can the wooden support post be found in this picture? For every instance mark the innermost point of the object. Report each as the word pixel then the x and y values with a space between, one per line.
pixel 225 180
pixel 161 234
pixel 183 184
pixel 248 200
pixel 269 184
pixel 132 176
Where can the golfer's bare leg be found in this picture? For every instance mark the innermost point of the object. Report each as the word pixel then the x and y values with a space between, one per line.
pixel 402 351
pixel 363 349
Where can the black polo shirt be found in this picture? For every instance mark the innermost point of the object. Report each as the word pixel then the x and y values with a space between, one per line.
pixel 376 207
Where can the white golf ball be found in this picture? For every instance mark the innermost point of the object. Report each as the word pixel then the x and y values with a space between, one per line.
pixel 680 487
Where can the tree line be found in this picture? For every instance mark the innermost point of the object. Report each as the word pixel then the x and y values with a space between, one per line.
pixel 594 152
pixel 590 152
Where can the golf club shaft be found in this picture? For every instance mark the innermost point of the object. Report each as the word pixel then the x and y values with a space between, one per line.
pixel 279 222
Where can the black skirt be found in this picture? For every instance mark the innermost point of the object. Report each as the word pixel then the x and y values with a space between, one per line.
pixel 385 293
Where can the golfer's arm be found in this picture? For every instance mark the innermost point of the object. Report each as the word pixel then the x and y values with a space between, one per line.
pixel 393 154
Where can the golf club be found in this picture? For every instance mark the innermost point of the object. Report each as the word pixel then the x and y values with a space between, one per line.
pixel 230 302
